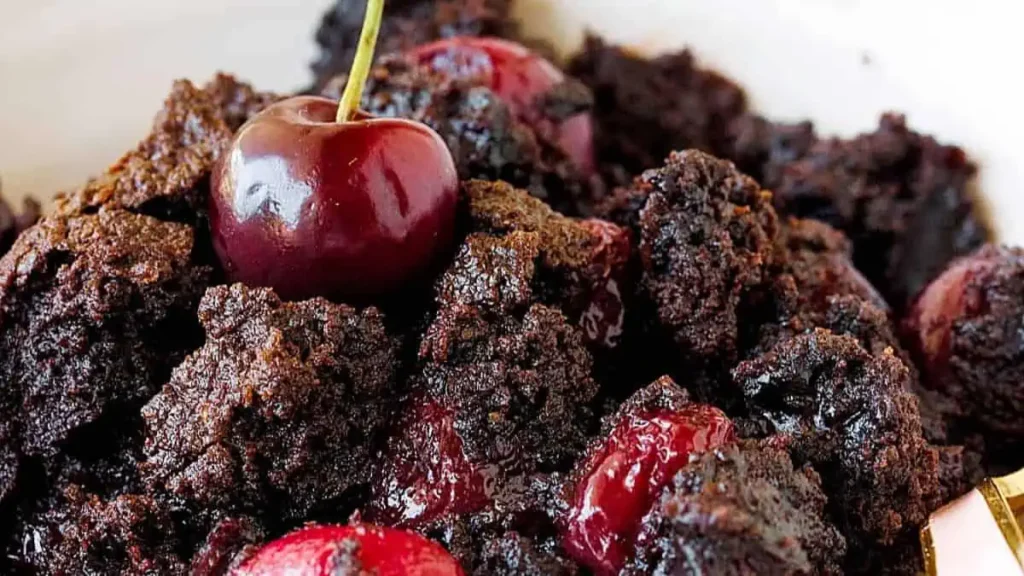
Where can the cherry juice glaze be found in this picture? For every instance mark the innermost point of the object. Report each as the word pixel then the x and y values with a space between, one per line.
pixel 314 207
pixel 520 77
pixel 428 474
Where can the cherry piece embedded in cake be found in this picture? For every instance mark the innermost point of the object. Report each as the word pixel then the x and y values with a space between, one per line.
pixel 521 78
pixel 967 331
pixel 622 478
pixel 355 549
pixel 314 198
pixel 427 475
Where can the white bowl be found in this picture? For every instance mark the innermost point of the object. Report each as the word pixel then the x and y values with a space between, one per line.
pixel 81 80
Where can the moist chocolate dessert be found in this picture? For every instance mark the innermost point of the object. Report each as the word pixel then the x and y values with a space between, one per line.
pixel 407 23
pixel 278 413
pixel 965 331
pixel 167 175
pixel 742 510
pixel 903 198
pixel 684 358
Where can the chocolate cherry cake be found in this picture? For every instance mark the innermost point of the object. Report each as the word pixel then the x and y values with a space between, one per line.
pixel 466 309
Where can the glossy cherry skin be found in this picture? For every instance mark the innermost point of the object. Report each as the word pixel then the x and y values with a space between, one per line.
pixel 623 479
pixel 313 207
pixel 323 550
pixel 519 77
pixel 428 475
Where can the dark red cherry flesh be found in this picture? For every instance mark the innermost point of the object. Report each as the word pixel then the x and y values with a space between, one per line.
pixel 359 548
pixel 519 77
pixel 622 480
pixel 315 207
pixel 427 474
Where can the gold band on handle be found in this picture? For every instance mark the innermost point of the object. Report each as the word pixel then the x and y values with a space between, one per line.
pixel 1005 499
pixel 931 568
pixel 1002 500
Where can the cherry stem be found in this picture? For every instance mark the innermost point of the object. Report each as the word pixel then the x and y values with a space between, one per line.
pixel 362 61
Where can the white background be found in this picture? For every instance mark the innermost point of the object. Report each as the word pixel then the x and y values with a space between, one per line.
pixel 81 79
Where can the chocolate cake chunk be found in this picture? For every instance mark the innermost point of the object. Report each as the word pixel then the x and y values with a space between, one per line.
pixel 763 149
pixel 278 411
pixel 407 23
pixel 741 510
pixel 815 285
pixel 511 554
pixel 428 482
pixel 94 311
pixel 485 138
pixel 902 197
pixel 850 415
pixel 237 101
pixel 514 533
pixel 519 386
pixel 12 224
pixel 129 535
pixel 820 259
pixel 967 332
pixel 706 240
pixel 579 266
pixel 166 174
pixel 646 108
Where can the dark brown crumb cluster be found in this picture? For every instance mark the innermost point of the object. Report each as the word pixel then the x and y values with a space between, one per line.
pixel 97 304
pixel 903 198
pixel 167 175
pixel 94 312
pixel 741 510
pixel 849 414
pixel 407 23
pixel 130 534
pixel 815 285
pixel 706 242
pixel 519 386
pixel 278 412
pixel 512 554
pixel 646 109
pixel 515 373
pixel 579 266
pixel 485 139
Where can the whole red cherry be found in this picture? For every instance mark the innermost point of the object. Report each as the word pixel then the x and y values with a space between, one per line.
pixel 313 198
pixel 622 479
pixel 359 548
pixel 520 77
